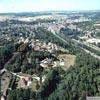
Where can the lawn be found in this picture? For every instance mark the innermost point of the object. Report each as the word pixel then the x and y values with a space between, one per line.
pixel 68 59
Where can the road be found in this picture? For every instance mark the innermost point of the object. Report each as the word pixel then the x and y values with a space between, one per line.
pixel 92 54
pixel 53 32
pixel 87 51
pixel 92 46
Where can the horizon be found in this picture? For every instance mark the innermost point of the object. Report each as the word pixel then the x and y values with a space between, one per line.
pixel 51 11
pixel 20 6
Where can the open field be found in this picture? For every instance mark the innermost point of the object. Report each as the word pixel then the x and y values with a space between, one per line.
pixel 5 80
pixel 68 59
pixel 33 85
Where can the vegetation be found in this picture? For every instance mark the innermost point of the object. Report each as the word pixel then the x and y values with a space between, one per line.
pixel 5 54
pixel 78 81
pixel 20 63
pixel 21 94
pixel 70 33
pixel 49 85
pixel 49 37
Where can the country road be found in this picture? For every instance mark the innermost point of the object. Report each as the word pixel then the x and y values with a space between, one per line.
pixel 20 76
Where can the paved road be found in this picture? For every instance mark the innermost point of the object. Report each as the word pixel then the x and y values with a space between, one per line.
pixel 87 51
pixel 59 37
pixel 92 54
pixel 92 46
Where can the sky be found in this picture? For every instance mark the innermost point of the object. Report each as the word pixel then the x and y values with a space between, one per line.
pixel 7 6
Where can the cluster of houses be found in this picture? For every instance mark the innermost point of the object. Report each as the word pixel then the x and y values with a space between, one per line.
pixel 42 46
pixel 38 45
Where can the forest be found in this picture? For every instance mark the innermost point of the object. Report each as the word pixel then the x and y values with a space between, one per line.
pixel 76 83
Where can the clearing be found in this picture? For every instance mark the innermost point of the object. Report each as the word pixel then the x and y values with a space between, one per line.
pixel 68 59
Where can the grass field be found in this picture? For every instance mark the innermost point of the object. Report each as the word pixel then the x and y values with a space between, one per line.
pixel 5 80
pixel 68 59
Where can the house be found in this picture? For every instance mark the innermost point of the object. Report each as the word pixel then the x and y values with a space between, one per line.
pixel 24 82
pixel 47 62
